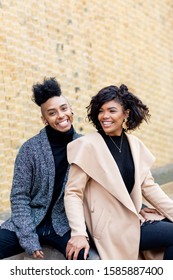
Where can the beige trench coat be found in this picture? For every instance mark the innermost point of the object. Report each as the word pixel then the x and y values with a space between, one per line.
pixel 96 194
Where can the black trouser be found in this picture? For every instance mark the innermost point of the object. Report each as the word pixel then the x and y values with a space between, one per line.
pixel 9 244
pixel 158 234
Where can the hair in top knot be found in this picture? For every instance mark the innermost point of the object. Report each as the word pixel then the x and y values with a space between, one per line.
pixel 123 88
pixel 43 91
pixel 138 111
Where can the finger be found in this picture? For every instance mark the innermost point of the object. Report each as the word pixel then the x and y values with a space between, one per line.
pixel 41 254
pixel 34 255
pixel 76 253
pixel 68 247
pixel 69 254
pixel 152 211
pixel 143 214
pixel 147 210
pixel 38 254
pixel 86 253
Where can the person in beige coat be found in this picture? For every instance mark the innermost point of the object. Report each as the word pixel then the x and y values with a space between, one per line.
pixel 109 174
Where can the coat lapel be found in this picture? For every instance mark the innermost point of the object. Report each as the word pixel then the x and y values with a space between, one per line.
pixel 111 179
pixel 104 170
pixel 143 160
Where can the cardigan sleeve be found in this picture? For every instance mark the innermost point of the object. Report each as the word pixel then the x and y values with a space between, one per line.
pixel 20 202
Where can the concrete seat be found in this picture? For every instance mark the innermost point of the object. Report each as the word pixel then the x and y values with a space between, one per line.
pixel 51 253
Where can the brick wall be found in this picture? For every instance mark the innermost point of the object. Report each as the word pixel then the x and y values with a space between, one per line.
pixel 86 45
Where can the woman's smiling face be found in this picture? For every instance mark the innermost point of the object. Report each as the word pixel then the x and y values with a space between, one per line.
pixel 111 117
pixel 57 113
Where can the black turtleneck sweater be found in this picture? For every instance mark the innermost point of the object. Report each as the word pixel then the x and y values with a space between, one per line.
pixel 58 142
pixel 124 159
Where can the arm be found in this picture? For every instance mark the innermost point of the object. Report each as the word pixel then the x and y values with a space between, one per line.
pixel 153 193
pixel 22 215
pixel 74 194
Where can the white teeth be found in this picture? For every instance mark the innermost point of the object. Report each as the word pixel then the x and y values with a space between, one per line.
pixel 107 123
pixel 63 123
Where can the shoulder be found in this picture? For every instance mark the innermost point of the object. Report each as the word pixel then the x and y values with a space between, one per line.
pixel 84 147
pixel 132 137
pixel 76 135
pixel 139 148
pixel 135 140
pixel 34 141
pixel 84 139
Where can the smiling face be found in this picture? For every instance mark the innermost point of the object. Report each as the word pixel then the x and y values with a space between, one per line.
pixel 57 113
pixel 111 116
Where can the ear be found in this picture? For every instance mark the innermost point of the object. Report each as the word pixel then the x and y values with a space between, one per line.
pixel 44 120
pixel 71 110
pixel 127 112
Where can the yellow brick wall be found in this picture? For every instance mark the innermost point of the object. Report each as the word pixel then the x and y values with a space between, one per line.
pixel 86 45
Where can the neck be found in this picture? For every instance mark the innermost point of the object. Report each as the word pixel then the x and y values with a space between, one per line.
pixel 58 137
pixel 115 133
pixel 114 140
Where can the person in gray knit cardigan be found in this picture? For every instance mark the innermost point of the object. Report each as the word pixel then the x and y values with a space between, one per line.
pixel 40 175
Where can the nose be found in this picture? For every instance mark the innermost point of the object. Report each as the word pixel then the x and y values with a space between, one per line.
pixel 60 114
pixel 106 115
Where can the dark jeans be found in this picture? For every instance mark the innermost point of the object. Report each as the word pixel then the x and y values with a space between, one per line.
pixel 153 235
pixel 158 234
pixel 9 244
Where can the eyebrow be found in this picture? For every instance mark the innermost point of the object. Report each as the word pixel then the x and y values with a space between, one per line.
pixel 51 109
pixel 113 107
pixel 110 107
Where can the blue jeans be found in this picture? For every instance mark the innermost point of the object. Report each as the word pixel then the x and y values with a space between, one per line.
pixel 156 235
pixel 9 244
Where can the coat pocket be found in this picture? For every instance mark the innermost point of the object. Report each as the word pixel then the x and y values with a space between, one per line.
pixel 100 223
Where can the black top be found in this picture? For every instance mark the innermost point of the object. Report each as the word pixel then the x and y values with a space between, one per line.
pixel 124 159
pixel 58 142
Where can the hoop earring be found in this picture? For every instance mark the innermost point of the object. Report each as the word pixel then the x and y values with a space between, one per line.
pixel 124 124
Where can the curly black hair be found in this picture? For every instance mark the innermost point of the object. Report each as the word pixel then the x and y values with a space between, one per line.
pixel 42 92
pixel 138 110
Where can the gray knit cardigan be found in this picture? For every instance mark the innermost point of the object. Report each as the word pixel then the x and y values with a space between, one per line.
pixel 32 189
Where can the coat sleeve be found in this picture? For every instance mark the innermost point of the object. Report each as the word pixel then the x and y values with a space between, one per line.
pixel 20 202
pixel 153 193
pixel 73 200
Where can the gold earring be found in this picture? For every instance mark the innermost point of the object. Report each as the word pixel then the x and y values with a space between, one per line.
pixel 124 124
